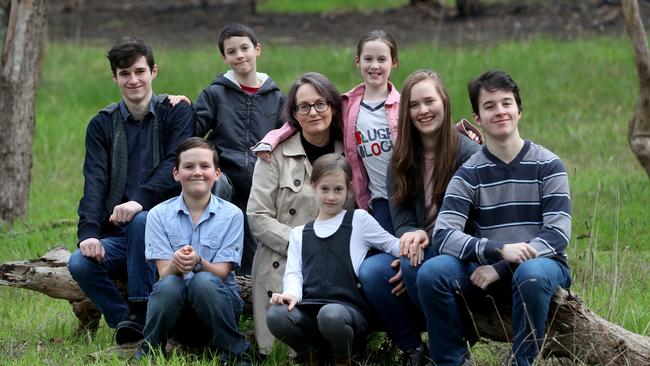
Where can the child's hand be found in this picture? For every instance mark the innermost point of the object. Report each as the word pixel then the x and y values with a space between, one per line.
pixel 484 276
pixel 416 258
pixel 474 137
pixel 397 282
pixel 185 259
pixel 175 99
pixel 264 155
pixel 518 252
pixel 263 151
pixel 284 298
pixel 412 241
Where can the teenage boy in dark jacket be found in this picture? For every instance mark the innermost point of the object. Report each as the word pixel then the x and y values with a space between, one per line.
pixel 130 150
pixel 239 108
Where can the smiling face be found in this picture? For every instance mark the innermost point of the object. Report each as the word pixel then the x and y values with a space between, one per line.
pixel 241 54
pixel 426 107
pixel 315 125
pixel 498 114
pixel 196 172
pixel 375 63
pixel 135 81
pixel 331 193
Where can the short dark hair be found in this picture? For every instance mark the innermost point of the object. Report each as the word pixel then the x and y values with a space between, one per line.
pixel 325 89
pixel 492 80
pixel 126 52
pixel 195 142
pixel 236 30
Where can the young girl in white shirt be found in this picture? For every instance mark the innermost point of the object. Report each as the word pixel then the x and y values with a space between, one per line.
pixel 321 310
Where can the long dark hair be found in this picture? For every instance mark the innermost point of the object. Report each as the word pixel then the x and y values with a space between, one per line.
pixel 408 156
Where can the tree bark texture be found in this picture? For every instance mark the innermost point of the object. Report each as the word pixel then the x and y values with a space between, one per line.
pixel 20 63
pixel 467 8
pixel 639 127
pixel 574 331
pixel 49 275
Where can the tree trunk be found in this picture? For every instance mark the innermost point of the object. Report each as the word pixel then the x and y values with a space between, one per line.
pixel 574 331
pixel 20 64
pixel 467 8
pixel 639 127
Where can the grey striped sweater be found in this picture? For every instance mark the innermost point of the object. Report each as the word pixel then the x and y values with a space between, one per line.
pixel 526 200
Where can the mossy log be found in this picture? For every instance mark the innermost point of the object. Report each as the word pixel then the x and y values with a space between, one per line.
pixel 574 331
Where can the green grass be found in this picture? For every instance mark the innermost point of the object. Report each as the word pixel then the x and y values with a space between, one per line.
pixel 577 99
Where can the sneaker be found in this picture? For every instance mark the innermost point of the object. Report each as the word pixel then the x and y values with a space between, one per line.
pixel 414 356
pixel 129 331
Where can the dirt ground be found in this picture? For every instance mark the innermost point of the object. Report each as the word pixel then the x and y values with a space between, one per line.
pixel 178 22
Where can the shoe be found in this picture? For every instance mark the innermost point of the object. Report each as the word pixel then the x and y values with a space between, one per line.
pixel 414 356
pixel 129 331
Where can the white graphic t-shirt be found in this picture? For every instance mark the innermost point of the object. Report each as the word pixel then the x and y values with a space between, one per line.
pixel 374 145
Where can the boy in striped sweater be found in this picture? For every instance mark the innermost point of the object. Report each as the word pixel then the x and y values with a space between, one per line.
pixel 515 196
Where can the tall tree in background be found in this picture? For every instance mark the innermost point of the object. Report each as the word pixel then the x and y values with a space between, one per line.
pixel 639 129
pixel 24 26
pixel 465 8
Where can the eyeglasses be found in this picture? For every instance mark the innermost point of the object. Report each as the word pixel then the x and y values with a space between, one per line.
pixel 304 109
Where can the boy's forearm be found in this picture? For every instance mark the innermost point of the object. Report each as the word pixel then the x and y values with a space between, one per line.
pixel 166 267
pixel 221 269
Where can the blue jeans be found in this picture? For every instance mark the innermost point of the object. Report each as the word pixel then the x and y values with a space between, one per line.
pixel 202 311
pixel 400 317
pixel 124 259
pixel 532 286
pixel 410 274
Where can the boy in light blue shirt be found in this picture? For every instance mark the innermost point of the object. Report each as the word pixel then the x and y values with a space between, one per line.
pixel 195 241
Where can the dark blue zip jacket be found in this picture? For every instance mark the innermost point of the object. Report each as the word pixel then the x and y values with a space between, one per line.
pixel 237 121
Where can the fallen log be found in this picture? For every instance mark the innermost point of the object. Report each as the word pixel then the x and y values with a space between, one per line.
pixel 49 275
pixel 574 331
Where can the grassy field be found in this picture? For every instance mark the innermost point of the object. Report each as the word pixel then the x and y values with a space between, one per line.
pixel 577 99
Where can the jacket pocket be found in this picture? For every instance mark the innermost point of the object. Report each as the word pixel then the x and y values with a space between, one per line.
pixel 294 177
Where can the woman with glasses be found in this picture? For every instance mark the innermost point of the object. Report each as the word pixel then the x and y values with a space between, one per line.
pixel 281 195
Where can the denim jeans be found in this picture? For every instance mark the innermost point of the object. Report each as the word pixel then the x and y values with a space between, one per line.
pixel 532 286
pixel 400 317
pixel 201 311
pixel 124 259
pixel 410 274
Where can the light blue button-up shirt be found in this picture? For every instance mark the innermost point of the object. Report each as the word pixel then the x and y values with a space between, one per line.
pixel 217 237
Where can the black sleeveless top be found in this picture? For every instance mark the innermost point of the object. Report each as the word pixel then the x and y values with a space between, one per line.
pixel 328 275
